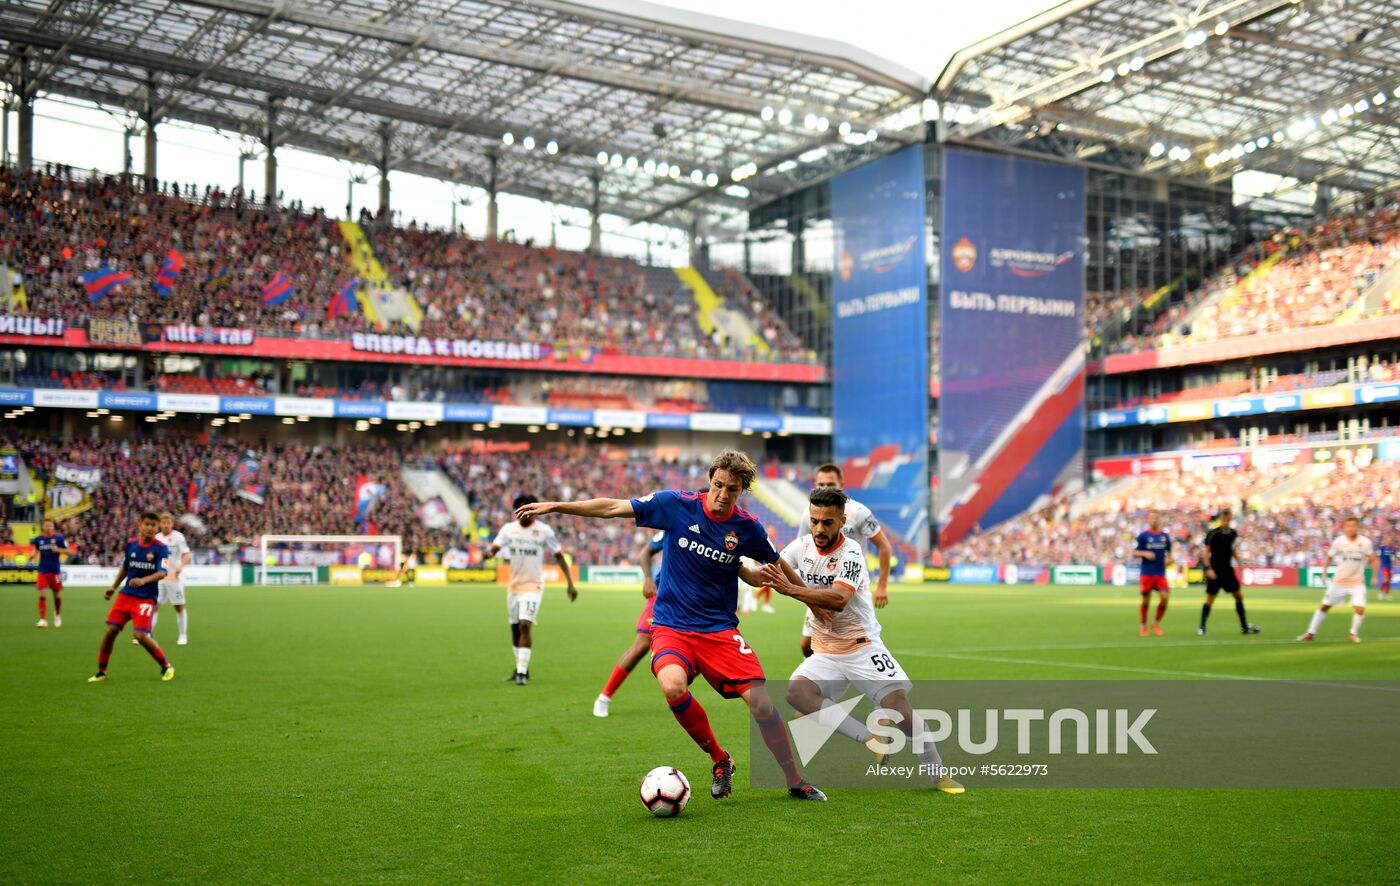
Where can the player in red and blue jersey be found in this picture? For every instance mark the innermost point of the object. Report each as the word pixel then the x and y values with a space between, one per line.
pixel 1385 553
pixel 641 645
pixel 51 547
pixel 695 631
pixel 1153 548
pixel 143 566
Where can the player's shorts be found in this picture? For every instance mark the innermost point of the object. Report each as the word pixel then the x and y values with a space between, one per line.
pixel 171 592
pixel 1225 580
pixel 524 607
pixel 644 620
pixel 871 669
pixel 1338 595
pixel 723 658
pixel 1150 583
pixel 1385 579
pixel 49 580
pixel 137 610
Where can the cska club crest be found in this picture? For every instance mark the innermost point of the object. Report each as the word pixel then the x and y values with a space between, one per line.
pixel 731 541
pixel 964 255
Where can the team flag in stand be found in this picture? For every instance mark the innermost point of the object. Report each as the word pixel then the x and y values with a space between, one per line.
pixel 217 279
pixel 242 479
pixel 196 499
pixel 366 494
pixel 170 269
pixel 102 281
pixel 345 301
pixel 278 291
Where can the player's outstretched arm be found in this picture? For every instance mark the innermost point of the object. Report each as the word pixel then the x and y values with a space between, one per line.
pixel 649 583
pixel 603 508
pixel 886 554
pixel 116 583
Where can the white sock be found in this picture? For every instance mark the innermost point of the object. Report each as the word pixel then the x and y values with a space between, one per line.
pixel 1316 622
pixel 750 600
pixel 522 659
pixel 1356 622
pixel 831 715
pixel 929 758
pixel 182 620
pixel 154 616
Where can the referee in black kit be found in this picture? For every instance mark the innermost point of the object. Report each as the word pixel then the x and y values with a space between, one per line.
pixel 1220 571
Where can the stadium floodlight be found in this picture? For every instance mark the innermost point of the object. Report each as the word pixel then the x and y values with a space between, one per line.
pixel 1137 63
pixel 104 412
pixel 551 147
pixel 738 191
pixel 712 180
pixel 616 161
pixel 674 172
pixel 588 431
pixel 697 176
pixel 115 418
pixel 1237 152
pixel 1194 38
pixel 245 416
pixel 478 427
pixel 1106 75
pixel 1362 106
pixel 528 142
pixel 493 425
pixel 533 429
pixel 810 121
pixel 766 113
pixel 844 128
pixel 649 166
pixel 1124 68
pixel 602 158
pixel 1158 149
pixel 1212 160
pixel 823 124
pixel 1250 147
pixel 1378 98
pixel 1221 27
pixel 871 135
pixel 785 116
pixel 551 427
pixel 401 427
pixel 508 139
pixel 289 421
pixel 1329 117
pixel 631 164
pixel 303 418
pixel 376 421
pixel 1344 111
pixel 1263 141
pixel 1278 136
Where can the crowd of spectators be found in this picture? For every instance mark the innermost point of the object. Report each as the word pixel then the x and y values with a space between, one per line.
pixel 1376 370
pixel 1099 527
pixel 1295 279
pixel 310 489
pixel 55 226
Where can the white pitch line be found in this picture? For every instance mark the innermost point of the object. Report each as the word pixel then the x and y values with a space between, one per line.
pixel 1128 669
pixel 1149 643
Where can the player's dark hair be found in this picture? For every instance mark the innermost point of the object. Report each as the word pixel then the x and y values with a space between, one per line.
pixel 828 497
pixel 523 500
pixel 150 515
pixel 738 464
pixel 830 468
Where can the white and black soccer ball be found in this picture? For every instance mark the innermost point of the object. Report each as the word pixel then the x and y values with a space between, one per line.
pixel 665 791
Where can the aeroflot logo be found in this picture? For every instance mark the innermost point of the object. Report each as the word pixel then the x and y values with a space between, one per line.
pixel 1030 263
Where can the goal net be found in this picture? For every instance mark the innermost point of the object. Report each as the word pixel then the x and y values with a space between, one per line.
pixel 317 559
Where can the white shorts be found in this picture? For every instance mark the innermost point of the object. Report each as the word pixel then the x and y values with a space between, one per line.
pixel 524 607
pixel 871 669
pixel 1335 596
pixel 172 592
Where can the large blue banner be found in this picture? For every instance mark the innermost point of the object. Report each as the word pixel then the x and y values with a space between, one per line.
pixel 880 340
pixel 1011 409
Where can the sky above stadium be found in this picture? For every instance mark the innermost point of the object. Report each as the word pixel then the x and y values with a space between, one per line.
pixel 921 36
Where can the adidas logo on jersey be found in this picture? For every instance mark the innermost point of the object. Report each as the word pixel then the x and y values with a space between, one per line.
pixel 695 527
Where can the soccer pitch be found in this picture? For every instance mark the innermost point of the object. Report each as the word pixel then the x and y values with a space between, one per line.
pixel 361 735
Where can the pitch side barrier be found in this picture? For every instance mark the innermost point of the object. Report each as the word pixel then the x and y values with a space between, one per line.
pixel 1118 574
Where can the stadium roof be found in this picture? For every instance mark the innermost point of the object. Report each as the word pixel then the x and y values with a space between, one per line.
pixel 451 82
pixel 1125 82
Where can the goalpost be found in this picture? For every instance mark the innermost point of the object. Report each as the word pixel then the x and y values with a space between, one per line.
pixel 307 574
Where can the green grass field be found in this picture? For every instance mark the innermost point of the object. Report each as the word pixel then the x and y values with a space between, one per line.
pixel 348 735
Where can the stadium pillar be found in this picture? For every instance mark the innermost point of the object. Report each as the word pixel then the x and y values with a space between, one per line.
pixel 149 118
pixel 385 139
pixel 595 215
pixel 699 248
pixel 274 103
pixel 25 111
pixel 492 219
pixel 799 249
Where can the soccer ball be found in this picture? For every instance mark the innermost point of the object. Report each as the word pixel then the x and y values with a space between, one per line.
pixel 665 792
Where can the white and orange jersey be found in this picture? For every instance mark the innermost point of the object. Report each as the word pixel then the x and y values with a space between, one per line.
pixel 1350 556
pixel 843 564
pixel 528 546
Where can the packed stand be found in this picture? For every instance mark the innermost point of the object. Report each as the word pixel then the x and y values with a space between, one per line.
pixel 1376 371
pixel 1292 531
pixel 56 226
